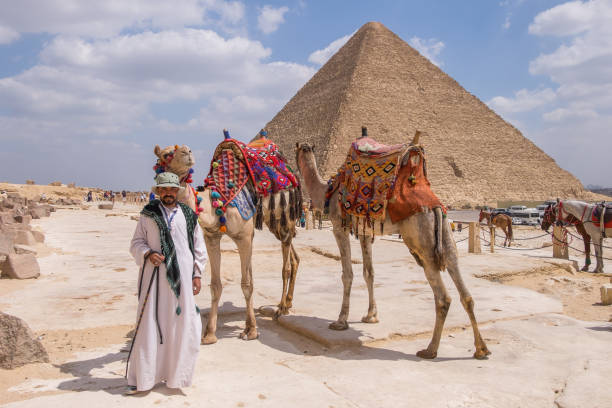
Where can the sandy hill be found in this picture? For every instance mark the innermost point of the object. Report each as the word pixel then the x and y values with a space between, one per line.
pixel 377 80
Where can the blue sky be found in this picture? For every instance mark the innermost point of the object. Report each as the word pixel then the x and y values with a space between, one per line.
pixel 88 88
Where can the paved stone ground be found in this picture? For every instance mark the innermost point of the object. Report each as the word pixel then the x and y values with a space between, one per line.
pixel 540 356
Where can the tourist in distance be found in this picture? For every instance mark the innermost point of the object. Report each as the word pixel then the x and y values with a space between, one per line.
pixel 168 245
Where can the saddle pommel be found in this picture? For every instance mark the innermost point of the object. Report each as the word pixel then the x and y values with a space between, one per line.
pixel 226 133
pixel 263 133
pixel 415 140
pixel 364 131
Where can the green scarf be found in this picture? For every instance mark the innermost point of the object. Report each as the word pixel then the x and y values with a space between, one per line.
pixel 154 211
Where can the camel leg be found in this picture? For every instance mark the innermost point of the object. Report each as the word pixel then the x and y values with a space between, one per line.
pixel 468 304
pixel 286 272
pixel 368 276
pixel 245 249
pixel 344 245
pixel 213 247
pixel 597 243
pixel 295 263
pixel 587 252
pixel 442 301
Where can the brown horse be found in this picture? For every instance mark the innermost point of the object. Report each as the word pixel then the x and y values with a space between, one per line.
pixel 499 220
pixel 549 218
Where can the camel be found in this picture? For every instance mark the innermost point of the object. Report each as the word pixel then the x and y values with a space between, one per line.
pixel 179 160
pixel 502 221
pixel 433 248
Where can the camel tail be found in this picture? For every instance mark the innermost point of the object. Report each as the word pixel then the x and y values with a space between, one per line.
pixel 439 254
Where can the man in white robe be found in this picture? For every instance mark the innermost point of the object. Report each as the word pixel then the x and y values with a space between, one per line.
pixel 167 340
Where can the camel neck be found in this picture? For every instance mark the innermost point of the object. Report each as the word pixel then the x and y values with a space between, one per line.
pixel 315 185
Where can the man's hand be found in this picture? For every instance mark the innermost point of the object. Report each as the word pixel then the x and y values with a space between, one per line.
pixel 197 285
pixel 156 259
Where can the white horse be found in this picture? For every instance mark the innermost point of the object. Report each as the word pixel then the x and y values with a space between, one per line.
pixel 584 213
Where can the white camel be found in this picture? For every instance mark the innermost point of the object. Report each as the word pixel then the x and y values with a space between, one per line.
pixel 583 212
pixel 434 252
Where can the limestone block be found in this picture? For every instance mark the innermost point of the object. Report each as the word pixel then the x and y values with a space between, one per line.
pixel 606 294
pixel 56 183
pixel 18 345
pixel 39 212
pixel 71 185
pixel 30 182
pixel 25 237
pixel 6 243
pixel 20 266
pixel 105 206
pixel 23 219
pixel 24 249
pixel 38 236
pixel 7 217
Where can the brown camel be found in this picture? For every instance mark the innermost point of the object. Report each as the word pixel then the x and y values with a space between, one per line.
pixel 502 221
pixel 418 234
pixel 179 160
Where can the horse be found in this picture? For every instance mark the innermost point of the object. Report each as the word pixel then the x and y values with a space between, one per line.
pixel 550 217
pixel 589 215
pixel 499 220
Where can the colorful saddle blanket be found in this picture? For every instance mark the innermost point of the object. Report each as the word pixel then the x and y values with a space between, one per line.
pixel 235 163
pixel 366 178
pixel 374 181
pixel 596 215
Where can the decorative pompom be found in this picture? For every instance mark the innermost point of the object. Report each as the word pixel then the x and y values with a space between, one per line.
pixel 223 228
pixel 219 211
pixel 199 199
pixel 215 165
pixel 215 194
pixel 215 204
pixel 190 171
pixel 175 147
pixel 222 219
pixel 220 203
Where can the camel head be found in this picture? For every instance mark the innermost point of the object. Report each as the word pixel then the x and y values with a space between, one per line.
pixel 304 153
pixel 176 159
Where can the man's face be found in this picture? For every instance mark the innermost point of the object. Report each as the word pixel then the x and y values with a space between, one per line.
pixel 168 195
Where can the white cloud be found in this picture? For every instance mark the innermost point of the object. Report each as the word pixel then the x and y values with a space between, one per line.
pixel 507 23
pixel 578 112
pixel 105 86
pixel 561 114
pixel 572 18
pixel 271 18
pixel 523 100
pixel 7 35
pixel 429 48
pixel 104 19
pixel 320 57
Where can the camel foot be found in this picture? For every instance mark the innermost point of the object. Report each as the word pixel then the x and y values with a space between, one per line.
pixel 427 354
pixel 249 334
pixel 281 311
pixel 209 339
pixel 339 325
pixel 585 268
pixel 481 353
pixel 369 319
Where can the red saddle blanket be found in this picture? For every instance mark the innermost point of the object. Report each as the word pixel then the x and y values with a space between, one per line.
pixel 596 216
pixel 235 162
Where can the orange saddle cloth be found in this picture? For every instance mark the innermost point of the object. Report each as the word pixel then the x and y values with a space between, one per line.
pixel 412 190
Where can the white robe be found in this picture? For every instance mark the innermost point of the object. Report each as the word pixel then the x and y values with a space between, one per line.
pixel 174 360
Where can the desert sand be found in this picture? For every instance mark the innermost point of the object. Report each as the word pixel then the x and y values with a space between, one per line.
pixel 549 337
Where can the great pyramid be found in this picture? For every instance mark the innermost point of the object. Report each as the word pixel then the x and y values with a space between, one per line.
pixel 377 80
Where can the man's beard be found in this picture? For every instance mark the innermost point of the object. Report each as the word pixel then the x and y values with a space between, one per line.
pixel 168 200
